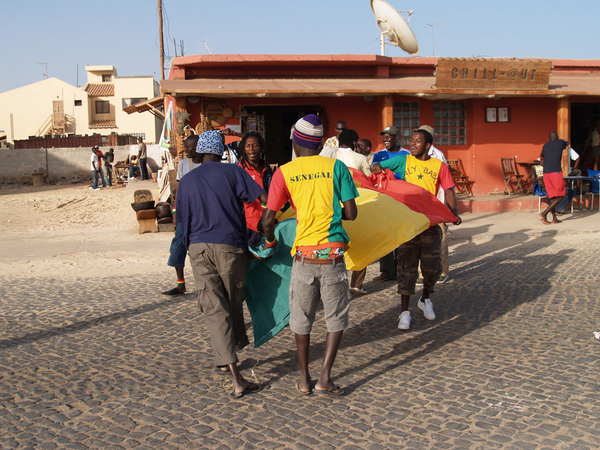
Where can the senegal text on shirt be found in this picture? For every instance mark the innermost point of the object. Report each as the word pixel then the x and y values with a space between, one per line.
pixel 311 176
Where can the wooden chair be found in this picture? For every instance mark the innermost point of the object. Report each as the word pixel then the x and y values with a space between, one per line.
pixel 461 181
pixel 510 175
pixel 146 217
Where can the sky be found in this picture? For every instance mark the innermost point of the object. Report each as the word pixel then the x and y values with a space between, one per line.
pixel 124 33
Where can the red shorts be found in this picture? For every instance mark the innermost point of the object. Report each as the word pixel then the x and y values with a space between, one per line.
pixel 555 184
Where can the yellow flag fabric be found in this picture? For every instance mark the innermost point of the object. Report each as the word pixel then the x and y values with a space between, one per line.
pixel 382 224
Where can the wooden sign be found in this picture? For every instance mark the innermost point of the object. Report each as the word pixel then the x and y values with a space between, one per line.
pixel 519 75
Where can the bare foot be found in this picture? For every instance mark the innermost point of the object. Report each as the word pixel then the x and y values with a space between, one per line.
pixel 544 220
pixel 556 221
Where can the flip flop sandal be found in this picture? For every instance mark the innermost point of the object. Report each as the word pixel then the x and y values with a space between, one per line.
pixel 251 389
pixel 337 391
pixel 301 392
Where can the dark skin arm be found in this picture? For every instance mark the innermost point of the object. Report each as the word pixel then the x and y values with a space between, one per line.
pixel 268 223
pixel 349 211
pixel 451 204
pixel 376 169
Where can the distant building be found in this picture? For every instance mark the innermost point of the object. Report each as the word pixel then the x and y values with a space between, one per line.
pixel 53 107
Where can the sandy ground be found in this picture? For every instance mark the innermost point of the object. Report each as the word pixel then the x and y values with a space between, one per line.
pixel 69 230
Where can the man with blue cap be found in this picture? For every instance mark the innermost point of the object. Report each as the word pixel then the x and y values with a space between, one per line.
pixel 210 208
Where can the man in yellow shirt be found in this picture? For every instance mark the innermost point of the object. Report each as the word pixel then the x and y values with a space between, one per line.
pixel 429 173
pixel 317 186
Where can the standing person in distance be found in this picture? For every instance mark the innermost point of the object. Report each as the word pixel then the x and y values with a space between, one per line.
pixel 142 157
pixel 554 182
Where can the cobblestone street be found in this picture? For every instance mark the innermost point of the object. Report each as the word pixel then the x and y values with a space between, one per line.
pixel 510 362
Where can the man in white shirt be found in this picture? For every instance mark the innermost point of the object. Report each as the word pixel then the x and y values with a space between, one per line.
pixel 333 141
pixel 347 154
pixel 96 170
pixel 363 146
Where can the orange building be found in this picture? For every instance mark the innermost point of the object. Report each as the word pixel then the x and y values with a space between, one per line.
pixel 481 109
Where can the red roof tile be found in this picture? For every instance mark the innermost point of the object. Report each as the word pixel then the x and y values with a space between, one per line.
pixel 100 90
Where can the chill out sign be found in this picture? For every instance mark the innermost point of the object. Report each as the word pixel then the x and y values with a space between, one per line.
pixel 514 74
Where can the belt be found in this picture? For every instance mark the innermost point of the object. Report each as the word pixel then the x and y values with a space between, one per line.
pixel 305 260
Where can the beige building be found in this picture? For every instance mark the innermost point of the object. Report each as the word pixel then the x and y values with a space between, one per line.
pixel 53 107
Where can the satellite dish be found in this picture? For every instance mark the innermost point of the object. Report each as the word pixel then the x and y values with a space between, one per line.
pixel 394 27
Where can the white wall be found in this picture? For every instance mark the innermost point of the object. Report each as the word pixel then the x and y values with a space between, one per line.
pixel 31 106
pixel 136 87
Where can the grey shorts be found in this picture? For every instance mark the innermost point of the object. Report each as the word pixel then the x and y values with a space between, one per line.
pixel 311 282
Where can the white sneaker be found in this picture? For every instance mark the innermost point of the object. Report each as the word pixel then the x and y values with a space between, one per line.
pixel 97 189
pixel 404 323
pixel 427 308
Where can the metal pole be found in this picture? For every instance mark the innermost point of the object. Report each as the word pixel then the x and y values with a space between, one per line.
pixel 382 40
pixel 431 24
pixel 160 37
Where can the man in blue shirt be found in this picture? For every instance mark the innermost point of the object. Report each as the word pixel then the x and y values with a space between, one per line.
pixel 210 207
pixel 387 264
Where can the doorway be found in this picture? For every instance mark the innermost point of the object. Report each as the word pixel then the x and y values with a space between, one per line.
pixel 276 122
pixel 583 116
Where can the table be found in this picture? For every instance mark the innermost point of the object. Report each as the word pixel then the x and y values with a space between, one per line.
pixel 121 172
pixel 573 179
pixel 528 165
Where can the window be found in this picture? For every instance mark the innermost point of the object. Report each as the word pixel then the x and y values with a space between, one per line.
pixel 133 101
pixel 406 119
pixel 500 114
pixel 78 103
pixel 106 78
pixel 102 107
pixel 450 123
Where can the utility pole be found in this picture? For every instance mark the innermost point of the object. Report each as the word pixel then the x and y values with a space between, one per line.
pixel 160 37
pixel 431 24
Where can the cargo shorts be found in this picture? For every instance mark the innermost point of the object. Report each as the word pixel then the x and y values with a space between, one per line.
pixel 311 283
pixel 427 248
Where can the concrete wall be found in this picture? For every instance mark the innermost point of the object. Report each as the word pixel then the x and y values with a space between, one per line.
pixel 17 166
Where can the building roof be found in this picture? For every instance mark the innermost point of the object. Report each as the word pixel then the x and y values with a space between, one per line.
pixel 100 90
pixel 563 84
pixel 151 105
pixel 104 124
pixel 105 68
pixel 350 75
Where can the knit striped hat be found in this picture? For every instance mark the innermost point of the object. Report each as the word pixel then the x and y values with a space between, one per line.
pixel 308 132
